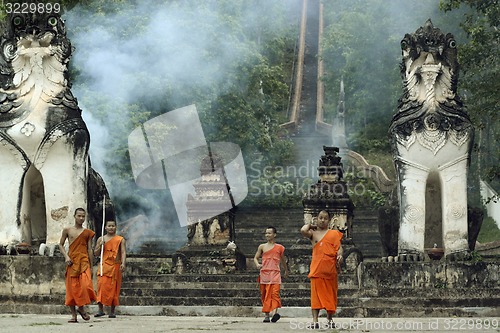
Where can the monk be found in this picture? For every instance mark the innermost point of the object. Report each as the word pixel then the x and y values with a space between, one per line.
pixel 113 259
pixel 326 259
pixel 79 287
pixel 270 274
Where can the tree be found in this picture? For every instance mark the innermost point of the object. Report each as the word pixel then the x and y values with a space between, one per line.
pixel 135 60
pixel 480 66
pixel 361 44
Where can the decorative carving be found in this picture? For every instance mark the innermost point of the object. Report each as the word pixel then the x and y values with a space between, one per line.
pixel 429 107
pixel 210 248
pixel 330 193
pixel 374 172
pixel 413 213
pixel 27 129
pixel 456 211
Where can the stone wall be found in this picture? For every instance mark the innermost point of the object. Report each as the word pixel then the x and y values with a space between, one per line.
pixel 467 274
pixel 31 275
pixel 37 275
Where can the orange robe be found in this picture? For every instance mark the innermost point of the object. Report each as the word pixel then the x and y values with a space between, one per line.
pixel 110 283
pixel 270 278
pixel 323 272
pixel 79 287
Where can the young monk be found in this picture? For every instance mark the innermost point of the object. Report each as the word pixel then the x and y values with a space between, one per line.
pixel 270 275
pixel 113 264
pixel 326 258
pixel 79 288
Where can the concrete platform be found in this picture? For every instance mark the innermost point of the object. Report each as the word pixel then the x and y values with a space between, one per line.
pixel 36 323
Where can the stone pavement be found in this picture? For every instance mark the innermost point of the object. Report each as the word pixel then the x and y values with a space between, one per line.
pixel 38 323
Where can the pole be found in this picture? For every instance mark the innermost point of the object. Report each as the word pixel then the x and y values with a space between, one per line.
pixel 102 228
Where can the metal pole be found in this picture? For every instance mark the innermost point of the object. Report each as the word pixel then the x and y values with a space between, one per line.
pixel 102 228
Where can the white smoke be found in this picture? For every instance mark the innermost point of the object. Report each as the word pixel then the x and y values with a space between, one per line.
pixel 148 51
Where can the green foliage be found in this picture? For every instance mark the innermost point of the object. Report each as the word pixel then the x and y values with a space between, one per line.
pixel 361 45
pixel 165 268
pixel 363 192
pixel 272 187
pixel 243 89
pixel 361 189
pixel 384 160
pixel 359 141
pixel 271 192
pixel 475 257
pixel 239 78
pixel 489 231
pixel 358 49
pixel 480 66
pixel 440 285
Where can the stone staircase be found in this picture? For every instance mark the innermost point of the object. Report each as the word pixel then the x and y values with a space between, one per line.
pixel 252 222
pixel 365 233
pixel 409 289
pixel 35 284
pixel 146 287
pixel 238 289
pixel 153 285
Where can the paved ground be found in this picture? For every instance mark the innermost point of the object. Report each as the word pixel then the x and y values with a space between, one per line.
pixel 35 323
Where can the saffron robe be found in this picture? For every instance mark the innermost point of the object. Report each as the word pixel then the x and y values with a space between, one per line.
pixel 110 283
pixel 323 272
pixel 79 287
pixel 270 278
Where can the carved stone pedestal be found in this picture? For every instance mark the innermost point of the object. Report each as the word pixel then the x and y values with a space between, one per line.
pixel 210 248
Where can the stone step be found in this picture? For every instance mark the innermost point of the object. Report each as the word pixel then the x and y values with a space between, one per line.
pixel 258 228
pixel 206 285
pixel 210 293
pixel 439 292
pixel 435 302
pixel 248 246
pixel 219 278
pixel 365 228
pixel 252 298
pixel 378 306
pixel 146 266
pixel 416 311
pixel 33 299
pixel 304 301
pixel 251 222
pixel 192 301
pixel 344 284
pixel 277 221
pixel 345 288
pixel 257 234
pixel 167 289
pixel 255 311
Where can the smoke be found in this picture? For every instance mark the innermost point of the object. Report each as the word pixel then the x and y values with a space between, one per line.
pixel 150 57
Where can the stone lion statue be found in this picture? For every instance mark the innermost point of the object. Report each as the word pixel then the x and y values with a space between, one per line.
pixel 45 169
pixel 431 137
